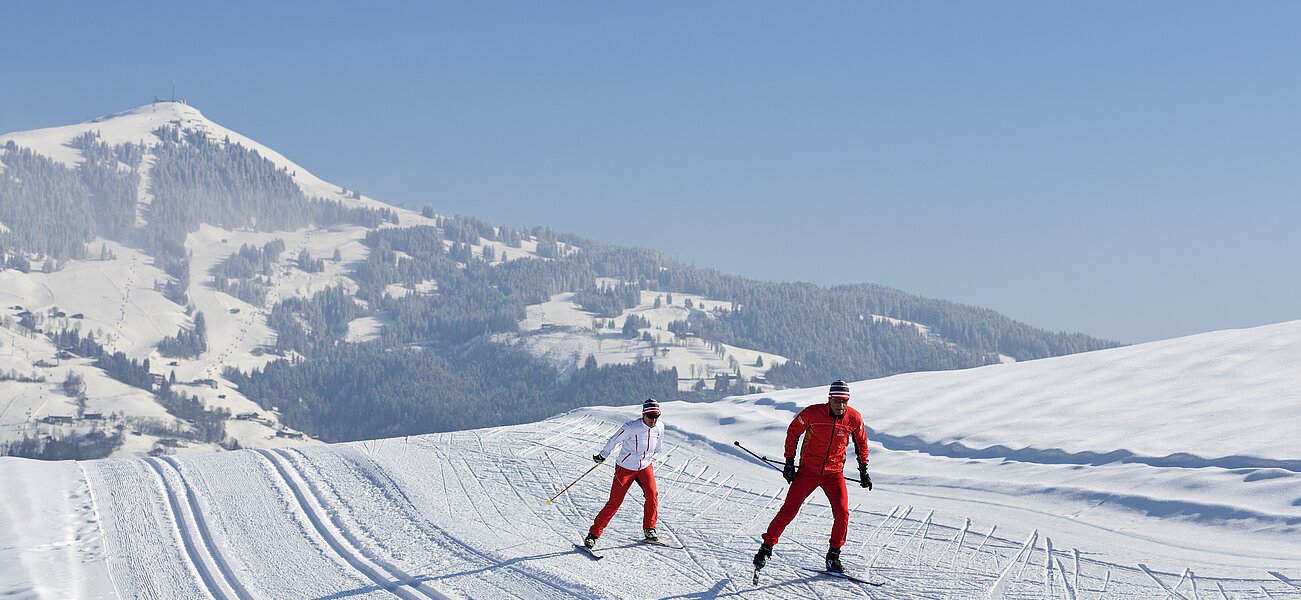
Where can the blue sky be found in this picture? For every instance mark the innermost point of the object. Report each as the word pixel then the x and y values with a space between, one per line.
pixel 1128 170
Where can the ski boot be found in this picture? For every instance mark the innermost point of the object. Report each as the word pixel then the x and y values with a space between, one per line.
pixel 589 542
pixel 651 536
pixel 761 557
pixel 833 561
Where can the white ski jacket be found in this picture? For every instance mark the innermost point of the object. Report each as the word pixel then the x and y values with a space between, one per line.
pixel 640 444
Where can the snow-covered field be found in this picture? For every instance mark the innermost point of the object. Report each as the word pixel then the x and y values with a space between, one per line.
pixel 1168 469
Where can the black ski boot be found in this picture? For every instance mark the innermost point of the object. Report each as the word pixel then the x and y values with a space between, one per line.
pixel 833 561
pixel 651 536
pixel 589 542
pixel 761 557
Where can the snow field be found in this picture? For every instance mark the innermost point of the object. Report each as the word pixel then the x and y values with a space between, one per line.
pixel 464 514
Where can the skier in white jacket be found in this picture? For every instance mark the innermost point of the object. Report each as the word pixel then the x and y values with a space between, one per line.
pixel 641 440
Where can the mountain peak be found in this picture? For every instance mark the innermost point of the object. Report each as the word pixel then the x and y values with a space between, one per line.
pixel 155 111
pixel 137 126
pixel 134 126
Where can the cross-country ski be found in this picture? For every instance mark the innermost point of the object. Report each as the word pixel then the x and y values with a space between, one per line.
pixel 590 552
pixel 846 576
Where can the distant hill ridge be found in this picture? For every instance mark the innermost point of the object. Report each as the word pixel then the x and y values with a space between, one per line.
pixel 321 310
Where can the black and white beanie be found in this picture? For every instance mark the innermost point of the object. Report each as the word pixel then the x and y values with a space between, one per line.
pixel 839 390
pixel 650 407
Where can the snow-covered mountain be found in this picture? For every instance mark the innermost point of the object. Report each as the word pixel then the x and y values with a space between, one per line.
pixel 1168 469
pixel 118 295
pixel 146 280
pixel 137 126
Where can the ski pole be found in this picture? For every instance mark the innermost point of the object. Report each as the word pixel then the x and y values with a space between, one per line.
pixel 772 463
pixel 765 459
pixel 575 481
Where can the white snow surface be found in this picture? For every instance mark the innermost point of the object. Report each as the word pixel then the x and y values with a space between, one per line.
pixel 1157 470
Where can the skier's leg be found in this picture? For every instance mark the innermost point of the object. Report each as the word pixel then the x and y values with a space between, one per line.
pixel 618 488
pixel 838 496
pixel 795 496
pixel 646 479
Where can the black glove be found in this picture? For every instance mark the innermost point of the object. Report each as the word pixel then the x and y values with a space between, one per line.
pixel 598 459
pixel 863 479
pixel 789 472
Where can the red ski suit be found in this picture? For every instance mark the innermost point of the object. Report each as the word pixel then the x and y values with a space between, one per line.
pixel 822 464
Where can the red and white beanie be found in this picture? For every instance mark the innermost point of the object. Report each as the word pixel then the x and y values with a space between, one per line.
pixel 839 391
pixel 650 408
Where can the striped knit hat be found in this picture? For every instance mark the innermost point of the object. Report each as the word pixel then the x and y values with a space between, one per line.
pixel 839 391
pixel 650 407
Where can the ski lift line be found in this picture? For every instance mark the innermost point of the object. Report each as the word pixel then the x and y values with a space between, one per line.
pixel 1168 590
pixel 1223 594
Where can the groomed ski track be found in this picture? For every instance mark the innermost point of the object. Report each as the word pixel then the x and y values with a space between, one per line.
pixel 464 515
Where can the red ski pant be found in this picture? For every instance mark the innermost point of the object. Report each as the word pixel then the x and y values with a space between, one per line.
pixel 833 484
pixel 623 479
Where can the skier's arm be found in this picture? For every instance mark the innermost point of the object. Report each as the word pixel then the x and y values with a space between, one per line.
pixel 860 443
pixel 793 432
pixel 656 442
pixel 614 441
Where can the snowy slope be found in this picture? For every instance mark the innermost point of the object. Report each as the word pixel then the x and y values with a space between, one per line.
pixel 1164 466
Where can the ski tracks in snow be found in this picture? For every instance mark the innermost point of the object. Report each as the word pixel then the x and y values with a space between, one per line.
pixel 402 517
pixel 203 554
pixel 327 526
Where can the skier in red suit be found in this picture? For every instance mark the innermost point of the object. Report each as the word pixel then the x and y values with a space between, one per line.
pixel 827 429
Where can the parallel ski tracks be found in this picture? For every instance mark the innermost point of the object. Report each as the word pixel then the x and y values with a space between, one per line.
pixel 338 539
pixel 196 539
pixel 921 558
pixel 389 486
